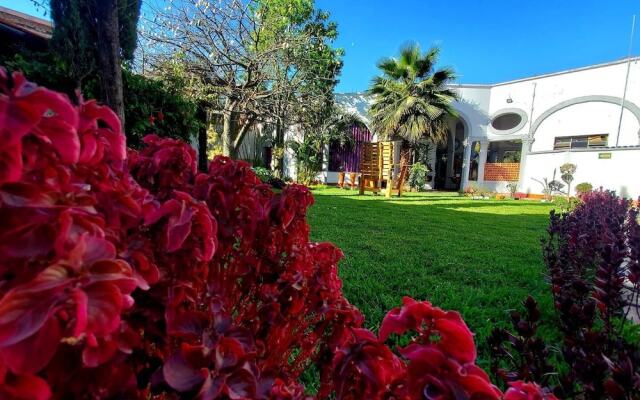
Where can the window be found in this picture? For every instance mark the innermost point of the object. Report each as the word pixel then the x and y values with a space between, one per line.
pixel 580 142
pixel 506 121
pixel 504 151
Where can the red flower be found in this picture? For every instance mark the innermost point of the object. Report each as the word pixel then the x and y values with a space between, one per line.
pixel 28 109
pixel 520 390
pixel 365 368
pixel 22 386
pixel 433 374
pixel 84 297
pixel 444 330
pixel 183 211
pixel 164 165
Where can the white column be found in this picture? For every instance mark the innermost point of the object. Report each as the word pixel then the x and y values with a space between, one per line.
pixel 482 159
pixel 451 144
pixel 325 164
pixel 466 160
pixel 526 148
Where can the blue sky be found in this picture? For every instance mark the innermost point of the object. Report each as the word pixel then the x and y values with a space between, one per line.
pixel 485 41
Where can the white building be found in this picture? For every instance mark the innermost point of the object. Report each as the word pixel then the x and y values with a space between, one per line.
pixel 523 130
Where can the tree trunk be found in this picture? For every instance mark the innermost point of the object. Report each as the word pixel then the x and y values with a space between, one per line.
pixel 109 55
pixel 202 139
pixel 227 131
pixel 278 163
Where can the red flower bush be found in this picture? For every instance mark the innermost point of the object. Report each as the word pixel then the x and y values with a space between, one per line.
pixel 527 391
pixel 134 276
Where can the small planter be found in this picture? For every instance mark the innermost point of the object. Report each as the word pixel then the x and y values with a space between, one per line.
pixel 341 179
pixel 352 179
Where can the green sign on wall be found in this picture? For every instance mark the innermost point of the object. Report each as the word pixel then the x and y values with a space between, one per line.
pixel 604 156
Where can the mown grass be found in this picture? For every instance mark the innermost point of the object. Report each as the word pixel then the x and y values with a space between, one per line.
pixel 479 257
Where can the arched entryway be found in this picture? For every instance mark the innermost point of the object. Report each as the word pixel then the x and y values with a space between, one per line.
pixel 450 156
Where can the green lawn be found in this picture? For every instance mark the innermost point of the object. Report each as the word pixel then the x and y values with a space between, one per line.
pixel 479 257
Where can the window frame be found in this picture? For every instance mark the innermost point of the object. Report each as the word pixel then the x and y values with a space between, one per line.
pixel 567 142
pixel 498 132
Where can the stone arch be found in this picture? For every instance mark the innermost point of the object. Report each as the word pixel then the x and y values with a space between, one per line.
pixel 633 108
pixel 464 119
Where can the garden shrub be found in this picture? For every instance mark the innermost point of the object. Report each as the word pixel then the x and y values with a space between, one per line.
pixel 592 255
pixel 417 176
pixel 151 105
pixel 263 174
pixel 308 155
pixel 266 176
pixel 129 275
pixel 565 204
pixel 158 106
pixel 567 170
pixel 584 187
pixel 550 187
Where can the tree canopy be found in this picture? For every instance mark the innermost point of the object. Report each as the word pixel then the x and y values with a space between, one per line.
pixel 411 98
pixel 256 61
pixel 96 36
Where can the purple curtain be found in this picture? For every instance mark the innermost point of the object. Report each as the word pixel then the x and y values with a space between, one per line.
pixel 348 157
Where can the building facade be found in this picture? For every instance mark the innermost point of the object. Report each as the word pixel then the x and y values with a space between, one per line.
pixel 524 130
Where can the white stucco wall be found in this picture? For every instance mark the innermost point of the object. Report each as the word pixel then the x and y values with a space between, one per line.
pixel 618 173
pixel 573 103
pixel 587 119
pixel 292 134
pixel 537 95
pixel 472 108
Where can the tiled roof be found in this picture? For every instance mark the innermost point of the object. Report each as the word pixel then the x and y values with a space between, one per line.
pixel 26 23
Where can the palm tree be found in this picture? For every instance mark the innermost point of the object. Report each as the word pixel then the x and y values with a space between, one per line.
pixel 410 99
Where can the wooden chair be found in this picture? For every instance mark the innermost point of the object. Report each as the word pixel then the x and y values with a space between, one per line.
pixel 376 167
pixel 371 161
pixel 396 186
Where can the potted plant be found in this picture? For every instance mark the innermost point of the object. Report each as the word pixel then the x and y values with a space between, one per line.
pixel 341 176
pixel 549 187
pixel 352 179
pixel 519 196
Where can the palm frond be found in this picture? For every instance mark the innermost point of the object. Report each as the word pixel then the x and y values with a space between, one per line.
pixel 410 99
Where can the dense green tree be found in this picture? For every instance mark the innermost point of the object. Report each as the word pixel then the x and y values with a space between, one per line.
pixel 96 37
pixel 217 42
pixel 303 73
pixel 256 61
pixel 333 125
pixel 411 98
